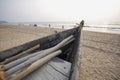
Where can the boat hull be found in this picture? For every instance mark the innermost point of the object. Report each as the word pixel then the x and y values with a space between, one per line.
pixel 50 41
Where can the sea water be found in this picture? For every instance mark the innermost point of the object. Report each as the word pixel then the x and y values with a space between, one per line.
pixel 68 25
pixel 103 28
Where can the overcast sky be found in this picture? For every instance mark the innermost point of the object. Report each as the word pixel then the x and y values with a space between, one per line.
pixel 92 11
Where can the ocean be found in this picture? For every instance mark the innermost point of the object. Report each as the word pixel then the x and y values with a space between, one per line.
pixel 110 28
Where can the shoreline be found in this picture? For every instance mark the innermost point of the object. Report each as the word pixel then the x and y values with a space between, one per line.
pixel 102 32
pixel 92 28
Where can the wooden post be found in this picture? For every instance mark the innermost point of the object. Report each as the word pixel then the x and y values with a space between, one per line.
pixel 35 65
pixel 20 54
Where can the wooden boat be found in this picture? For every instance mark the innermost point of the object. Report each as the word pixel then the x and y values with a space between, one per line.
pixel 63 67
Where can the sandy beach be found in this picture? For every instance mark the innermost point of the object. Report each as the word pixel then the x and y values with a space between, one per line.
pixel 100 56
pixel 100 52
pixel 14 35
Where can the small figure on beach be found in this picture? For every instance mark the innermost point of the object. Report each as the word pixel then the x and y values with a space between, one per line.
pixel 49 25
pixel 62 27
pixel 74 26
pixel 35 25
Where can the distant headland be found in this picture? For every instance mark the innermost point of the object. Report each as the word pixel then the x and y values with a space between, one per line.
pixel 1 22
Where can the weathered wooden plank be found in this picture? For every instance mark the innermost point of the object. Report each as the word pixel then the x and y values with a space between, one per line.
pixel 61 66
pixel 55 72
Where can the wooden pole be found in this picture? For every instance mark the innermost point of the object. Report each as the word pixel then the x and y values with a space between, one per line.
pixel 20 54
pixel 35 65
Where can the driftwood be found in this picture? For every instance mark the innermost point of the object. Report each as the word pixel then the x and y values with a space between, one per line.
pixel 35 65
pixel 20 54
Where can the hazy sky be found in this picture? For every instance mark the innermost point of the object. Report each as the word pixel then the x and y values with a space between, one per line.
pixel 92 11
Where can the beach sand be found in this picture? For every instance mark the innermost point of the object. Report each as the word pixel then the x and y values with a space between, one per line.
pixel 100 56
pixel 14 35
pixel 100 52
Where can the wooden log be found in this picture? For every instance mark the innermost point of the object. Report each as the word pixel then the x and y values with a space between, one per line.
pixel 35 65
pixel 20 54
pixel 33 59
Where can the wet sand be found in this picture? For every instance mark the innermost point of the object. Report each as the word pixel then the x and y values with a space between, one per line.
pixel 100 52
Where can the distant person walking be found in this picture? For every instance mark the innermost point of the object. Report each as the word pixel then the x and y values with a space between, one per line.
pixel 35 25
pixel 62 27
pixel 74 26
pixel 49 25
